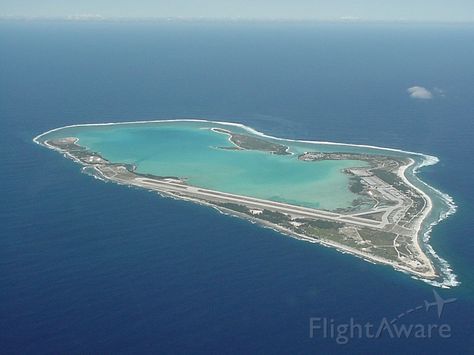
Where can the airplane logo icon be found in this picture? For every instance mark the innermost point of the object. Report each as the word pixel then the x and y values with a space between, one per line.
pixel 439 302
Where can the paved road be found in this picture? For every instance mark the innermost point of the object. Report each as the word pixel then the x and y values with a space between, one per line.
pixel 252 202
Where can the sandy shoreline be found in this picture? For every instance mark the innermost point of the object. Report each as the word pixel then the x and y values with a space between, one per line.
pixel 249 129
pixel 330 244
pixel 427 160
pixel 426 211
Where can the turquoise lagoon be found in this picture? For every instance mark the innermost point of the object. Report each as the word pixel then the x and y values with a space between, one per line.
pixel 190 149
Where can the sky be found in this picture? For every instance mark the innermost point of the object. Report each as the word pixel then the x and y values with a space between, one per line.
pixel 361 10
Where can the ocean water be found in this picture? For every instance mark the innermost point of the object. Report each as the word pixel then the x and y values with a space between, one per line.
pixel 93 267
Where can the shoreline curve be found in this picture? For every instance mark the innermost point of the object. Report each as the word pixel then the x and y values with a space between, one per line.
pixel 449 278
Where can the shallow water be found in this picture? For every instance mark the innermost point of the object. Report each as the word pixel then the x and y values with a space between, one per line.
pixel 91 267
pixel 191 151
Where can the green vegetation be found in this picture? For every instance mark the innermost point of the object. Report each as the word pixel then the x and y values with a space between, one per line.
pixel 387 176
pixel 325 233
pixel 346 229
pixel 254 143
pixel 234 207
pixel 377 237
pixel 321 224
pixel 386 252
pixel 274 217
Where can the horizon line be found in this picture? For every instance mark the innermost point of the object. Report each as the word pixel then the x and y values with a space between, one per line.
pixel 229 19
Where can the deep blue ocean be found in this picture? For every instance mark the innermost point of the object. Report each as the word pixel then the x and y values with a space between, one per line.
pixel 93 267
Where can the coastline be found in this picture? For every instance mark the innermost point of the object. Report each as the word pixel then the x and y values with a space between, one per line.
pixel 432 159
pixel 326 243
pixel 449 278
pixel 426 211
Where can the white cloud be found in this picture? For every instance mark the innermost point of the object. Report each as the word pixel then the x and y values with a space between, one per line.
pixel 350 18
pixel 85 17
pixel 419 92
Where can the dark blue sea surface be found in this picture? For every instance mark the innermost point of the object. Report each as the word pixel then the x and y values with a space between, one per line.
pixel 93 267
